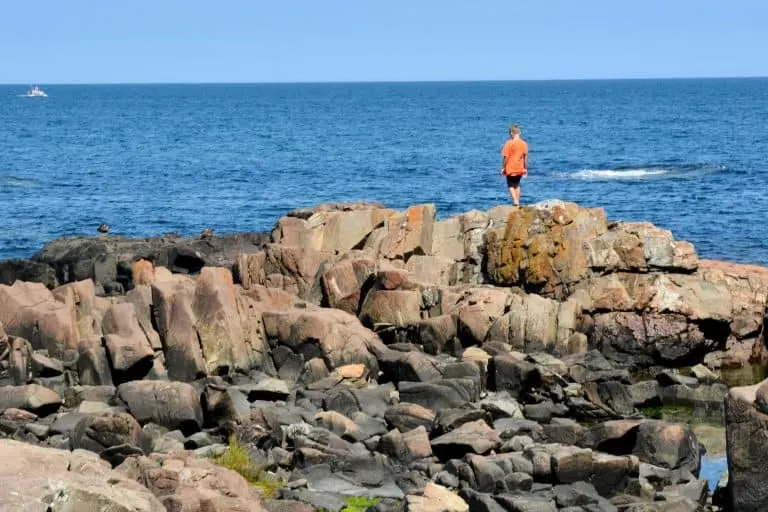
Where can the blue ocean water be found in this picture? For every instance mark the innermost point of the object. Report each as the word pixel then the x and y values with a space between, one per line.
pixel 687 155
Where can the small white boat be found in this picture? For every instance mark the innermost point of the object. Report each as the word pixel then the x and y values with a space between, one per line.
pixel 36 92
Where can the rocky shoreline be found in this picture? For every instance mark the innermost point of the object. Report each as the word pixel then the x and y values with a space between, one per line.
pixel 493 361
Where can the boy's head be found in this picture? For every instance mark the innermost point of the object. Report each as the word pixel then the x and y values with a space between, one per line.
pixel 514 130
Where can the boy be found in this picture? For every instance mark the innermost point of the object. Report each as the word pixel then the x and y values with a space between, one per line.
pixel 514 163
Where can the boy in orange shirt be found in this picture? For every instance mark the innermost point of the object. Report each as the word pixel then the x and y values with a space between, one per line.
pixel 514 163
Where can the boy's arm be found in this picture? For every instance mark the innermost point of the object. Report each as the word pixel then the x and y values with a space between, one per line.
pixel 525 163
pixel 504 156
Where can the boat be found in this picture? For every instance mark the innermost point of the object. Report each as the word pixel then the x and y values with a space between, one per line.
pixel 36 92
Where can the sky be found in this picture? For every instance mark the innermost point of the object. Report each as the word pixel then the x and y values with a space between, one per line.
pixel 161 41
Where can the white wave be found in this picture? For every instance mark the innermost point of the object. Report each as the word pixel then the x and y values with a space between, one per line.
pixel 619 174
pixel 647 172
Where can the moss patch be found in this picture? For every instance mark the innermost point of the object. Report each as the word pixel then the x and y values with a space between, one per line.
pixel 236 458
pixel 358 503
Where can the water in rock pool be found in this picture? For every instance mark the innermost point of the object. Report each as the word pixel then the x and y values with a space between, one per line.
pixel 687 155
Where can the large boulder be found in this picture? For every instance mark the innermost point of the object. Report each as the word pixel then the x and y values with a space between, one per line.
pixel 228 337
pixel 335 336
pixel 176 323
pixel 639 247
pixel 87 309
pixel 30 311
pixel 34 478
pixel 112 435
pixel 342 283
pixel 746 422
pixel 174 405
pixel 294 269
pixel 409 233
pixel 330 227
pixel 127 345
pixel 26 270
pixel 392 300
pixel 543 246
pixel 30 397
pixel 109 259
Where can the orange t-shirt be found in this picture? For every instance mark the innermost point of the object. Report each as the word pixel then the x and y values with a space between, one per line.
pixel 515 150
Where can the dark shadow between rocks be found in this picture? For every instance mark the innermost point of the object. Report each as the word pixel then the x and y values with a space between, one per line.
pixel 136 372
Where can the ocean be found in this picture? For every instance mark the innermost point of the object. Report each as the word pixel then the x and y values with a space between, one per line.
pixel 686 155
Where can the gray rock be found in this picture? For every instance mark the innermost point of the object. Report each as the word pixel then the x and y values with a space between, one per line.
pixel 502 405
pixel 745 424
pixel 526 503
pixel 174 404
pixel 31 397
pixel 704 374
pixel 645 393
pixel 473 437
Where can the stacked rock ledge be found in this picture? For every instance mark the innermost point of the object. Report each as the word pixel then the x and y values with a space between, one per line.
pixel 485 361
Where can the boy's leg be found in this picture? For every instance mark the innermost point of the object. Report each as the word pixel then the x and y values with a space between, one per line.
pixel 513 184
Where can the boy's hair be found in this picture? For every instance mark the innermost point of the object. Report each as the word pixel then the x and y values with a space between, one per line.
pixel 514 129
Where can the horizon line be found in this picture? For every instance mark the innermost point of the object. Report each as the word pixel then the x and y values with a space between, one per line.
pixel 429 81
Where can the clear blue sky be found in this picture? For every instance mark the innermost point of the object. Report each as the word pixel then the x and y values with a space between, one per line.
pixel 104 41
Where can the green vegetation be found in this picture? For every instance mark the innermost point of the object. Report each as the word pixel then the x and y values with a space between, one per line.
pixel 358 503
pixel 683 414
pixel 236 458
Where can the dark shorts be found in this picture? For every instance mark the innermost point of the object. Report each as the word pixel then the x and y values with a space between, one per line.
pixel 513 181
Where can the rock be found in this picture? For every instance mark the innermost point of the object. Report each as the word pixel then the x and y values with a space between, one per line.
pixel 334 335
pixel 111 435
pixel 70 481
pixel 292 268
pixel 571 464
pixel 222 404
pixel 92 364
pixel 19 360
pixel 406 446
pixel 645 393
pixel 443 394
pixel 226 344
pixel 343 281
pixel 476 312
pixel 473 437
pixel 437 334
pixel 410 233
pixel 44 366
pixel 436 499
pixel 707 397
pixel 406 416
pixel 668 445
pixel 29 271
pixel 513 375
pixel 172 404
pixel 183 481
pixel 617 396
pixel 127 345
pixel 87 309
pixel 384 307
pixel 29 311
pixel 526 503
pixel 536 249
pixel 176 323
pixel 31 397
pixel 745 420
pixel 108 259
pixel 704 374
pixel 451 419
